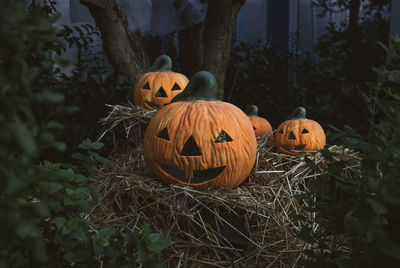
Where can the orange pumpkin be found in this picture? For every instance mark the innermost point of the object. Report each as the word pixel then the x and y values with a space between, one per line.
pixel 200 141
pixel 299 134
pixel 160 85
pixel 260 125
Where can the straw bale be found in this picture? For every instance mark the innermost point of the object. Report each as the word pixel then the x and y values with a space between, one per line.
pixel 246 226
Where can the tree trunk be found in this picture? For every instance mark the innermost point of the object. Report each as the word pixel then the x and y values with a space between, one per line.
pixel 354 32
pixel 218 26
pixel 124 50
pixel 191 48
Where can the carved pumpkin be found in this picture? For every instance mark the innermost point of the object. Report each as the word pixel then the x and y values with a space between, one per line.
pixel 200 141
pixel 160 85
pixel 299 134
pixel 260 125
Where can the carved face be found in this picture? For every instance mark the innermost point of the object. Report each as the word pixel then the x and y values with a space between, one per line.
pixel 200 143
pixel 260 126
pixel 156 89
pixel 294 136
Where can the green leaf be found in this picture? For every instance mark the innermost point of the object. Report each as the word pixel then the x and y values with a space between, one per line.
pixel 50 96
pixel 143 253
pixel 59 222
pixel 77 193
pixel 70 257
pixel 55 125
pixel 101 238
pixel 94 192
pixel 85 144
pixel 102 160
pixel 78 178
pixel 25 139
pixel 377 206
pixel 75 228
pixel 157 243
pixel 51 187
pixel 28 230
pixel 394 76
pixel 96 145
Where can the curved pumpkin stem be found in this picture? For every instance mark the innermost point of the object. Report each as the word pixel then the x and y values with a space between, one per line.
pixel 298 113
pixel 163 63
pixel 252 111
pixel 202 86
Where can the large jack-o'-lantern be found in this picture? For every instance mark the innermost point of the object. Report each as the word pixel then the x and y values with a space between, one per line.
pixel 299 134
pixel 261 125
pixel 200 141
pixel 160 85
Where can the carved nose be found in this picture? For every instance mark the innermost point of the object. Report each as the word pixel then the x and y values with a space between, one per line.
pixel 291 136
pixel 161 93
pixel 190 148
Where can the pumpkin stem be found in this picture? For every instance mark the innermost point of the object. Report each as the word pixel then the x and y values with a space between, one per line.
pixel 162 64
pixel 298 113
pixel 202 86
pixel 252 111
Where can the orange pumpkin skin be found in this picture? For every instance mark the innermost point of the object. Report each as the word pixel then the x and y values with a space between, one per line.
pixel 260 126
pixel 299 134
pixel 222 146
pixel 159 86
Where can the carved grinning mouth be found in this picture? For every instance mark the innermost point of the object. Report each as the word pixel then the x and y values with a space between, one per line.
pixel 296 148
pixel 153 105
pixel 198 176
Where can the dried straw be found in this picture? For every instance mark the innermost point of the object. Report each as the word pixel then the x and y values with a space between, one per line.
pixel 247 226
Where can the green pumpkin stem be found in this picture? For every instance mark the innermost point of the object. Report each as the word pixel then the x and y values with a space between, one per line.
pixel 202 86
pixel 162 64
pixel 298 113
pixel 252 111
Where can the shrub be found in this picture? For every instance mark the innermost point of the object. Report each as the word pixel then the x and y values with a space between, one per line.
pixel 357 213
pixel 42 204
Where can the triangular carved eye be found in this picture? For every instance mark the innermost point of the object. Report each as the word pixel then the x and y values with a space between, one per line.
pixel 223 137
pixel 161 93
pixel 305 131
pixel 146 86
pixel 176 87
pixel 163 134
pixel 291 136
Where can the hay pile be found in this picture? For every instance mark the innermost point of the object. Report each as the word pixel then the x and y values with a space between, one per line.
pixel 248 226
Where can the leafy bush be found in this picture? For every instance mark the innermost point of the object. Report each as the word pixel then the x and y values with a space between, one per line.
pixel 43 204
pixel 326 83
pixel 357 213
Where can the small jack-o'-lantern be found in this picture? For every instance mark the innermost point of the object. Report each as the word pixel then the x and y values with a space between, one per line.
pixel 200 141
pixel 159 85
pixel 299 134
pixel 261 125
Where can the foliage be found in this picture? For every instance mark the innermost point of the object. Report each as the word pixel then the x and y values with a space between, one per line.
pixel 43 204
pixel 356 214
pixel 326 81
